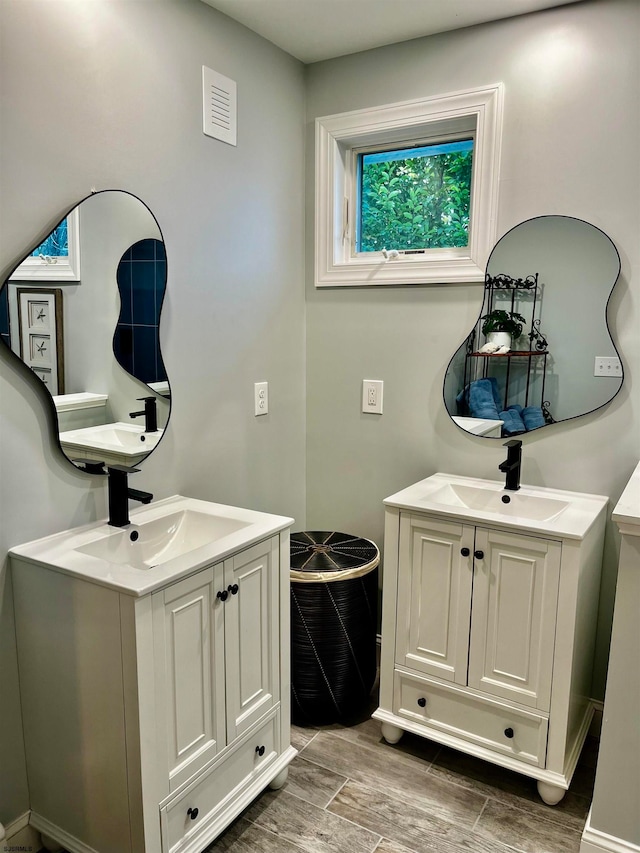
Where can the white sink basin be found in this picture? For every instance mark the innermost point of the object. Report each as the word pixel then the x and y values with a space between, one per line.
pixel 166 540
pixel 116 437
pixel 121 436
pixel 535 507
pixel 146 545
pixel 117 443
pixel 552 512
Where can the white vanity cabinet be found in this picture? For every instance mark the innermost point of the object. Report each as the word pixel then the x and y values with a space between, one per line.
pixel 488 632
pixel 152 720
pixel 482 607
pixel 216 657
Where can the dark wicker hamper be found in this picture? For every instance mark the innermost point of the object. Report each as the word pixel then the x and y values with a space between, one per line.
pixel 334 594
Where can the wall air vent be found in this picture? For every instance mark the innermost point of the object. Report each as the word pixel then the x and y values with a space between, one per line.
pixel 219 106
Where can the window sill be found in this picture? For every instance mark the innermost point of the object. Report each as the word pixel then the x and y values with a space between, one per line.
pixel 356 273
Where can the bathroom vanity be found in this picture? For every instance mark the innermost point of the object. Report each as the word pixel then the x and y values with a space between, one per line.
pixel 489 618
pixel 154 674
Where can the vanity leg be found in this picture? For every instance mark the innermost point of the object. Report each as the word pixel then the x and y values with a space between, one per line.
pixel 391 734
pixel 550 794
pixel 279 780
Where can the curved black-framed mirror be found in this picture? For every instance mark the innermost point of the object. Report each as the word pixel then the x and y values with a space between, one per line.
pixel 82 310
pixel 547 287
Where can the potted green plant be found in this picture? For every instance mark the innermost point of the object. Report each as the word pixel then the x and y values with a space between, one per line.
pixel 502 327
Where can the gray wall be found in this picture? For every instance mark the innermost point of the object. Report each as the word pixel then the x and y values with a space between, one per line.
pixel 107 94
pixel 571 137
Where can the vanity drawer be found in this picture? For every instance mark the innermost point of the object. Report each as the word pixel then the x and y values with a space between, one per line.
pixel 217 787
pixel 458 713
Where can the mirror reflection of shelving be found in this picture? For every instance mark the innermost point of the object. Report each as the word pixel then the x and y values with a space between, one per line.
pixel 514 386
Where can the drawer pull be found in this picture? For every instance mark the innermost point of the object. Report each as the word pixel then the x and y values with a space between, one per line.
pixel 465 552
pixel 222 595
pixel 479 555
pixel 233 588
pixel 422 702
pixel 508 732
pixel 260 750
pixel 193 813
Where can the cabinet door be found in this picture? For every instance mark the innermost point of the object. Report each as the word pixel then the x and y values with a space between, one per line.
pixel 189 657
pixel 251 635
pixel 434 596
pixel 515 594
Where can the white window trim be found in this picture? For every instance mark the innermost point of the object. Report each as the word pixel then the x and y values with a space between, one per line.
pixel 336 137
pixel 59 269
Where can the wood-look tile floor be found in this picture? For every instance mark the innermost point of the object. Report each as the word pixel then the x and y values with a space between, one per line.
pixel 349 791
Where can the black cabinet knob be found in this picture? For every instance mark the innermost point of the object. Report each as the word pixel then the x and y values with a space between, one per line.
pixel 260 750
pixel 465 552
pixel 233 588
pixel 479 555
pixel 508 732
pixel 223 595
pixel 193 813
pixel 422 702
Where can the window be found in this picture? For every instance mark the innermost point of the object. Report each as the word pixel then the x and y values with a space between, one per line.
pixel 57 258
pixel 412 199
pixel 407 193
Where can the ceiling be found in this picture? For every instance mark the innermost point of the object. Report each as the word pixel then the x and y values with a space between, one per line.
pixel 313 30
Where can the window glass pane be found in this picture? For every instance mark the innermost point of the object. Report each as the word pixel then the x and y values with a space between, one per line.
pixel 56 245
pixel 415 198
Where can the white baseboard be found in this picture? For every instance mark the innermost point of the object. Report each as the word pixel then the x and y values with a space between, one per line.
pixel 595 841
pixel 596 723
pixel 20 836
pixel 69 842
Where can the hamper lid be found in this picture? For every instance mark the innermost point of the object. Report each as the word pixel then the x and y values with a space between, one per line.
pixel 323 556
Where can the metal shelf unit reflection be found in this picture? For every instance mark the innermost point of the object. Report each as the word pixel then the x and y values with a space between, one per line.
pixel 523 296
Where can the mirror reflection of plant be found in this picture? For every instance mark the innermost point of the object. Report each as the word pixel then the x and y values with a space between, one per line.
pixel 503 321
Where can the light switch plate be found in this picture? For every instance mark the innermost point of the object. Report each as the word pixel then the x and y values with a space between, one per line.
pixel 607 366
pixel 261 398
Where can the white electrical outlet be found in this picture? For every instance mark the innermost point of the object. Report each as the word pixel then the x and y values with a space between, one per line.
pixel 372 396
pixel 607 366
pixel 261 398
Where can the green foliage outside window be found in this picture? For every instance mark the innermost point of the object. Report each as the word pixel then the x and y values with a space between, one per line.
pixel 416 198
pixel 56 245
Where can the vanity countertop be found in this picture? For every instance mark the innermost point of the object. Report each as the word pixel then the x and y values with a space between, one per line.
pixel 534 509
pixel 627 511
pixel 81 400
pixel 156 528
pixel 478 426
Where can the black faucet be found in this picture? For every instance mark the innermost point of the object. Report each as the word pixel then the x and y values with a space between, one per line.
pixel 150 414
pixel 511 465
pixel 91 466
pixel 120 494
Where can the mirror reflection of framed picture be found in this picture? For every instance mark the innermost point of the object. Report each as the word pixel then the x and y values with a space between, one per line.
pixel 57 258
pixel 41 335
